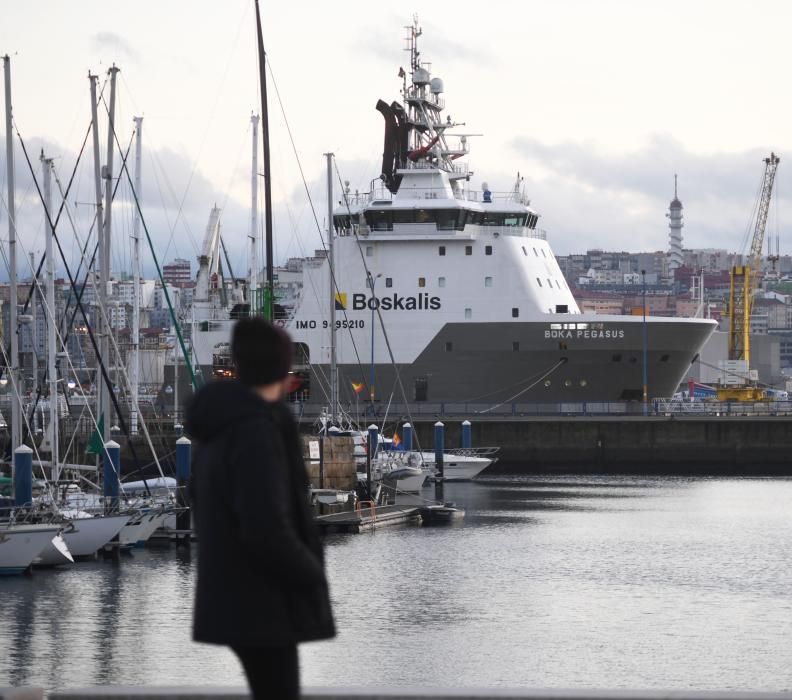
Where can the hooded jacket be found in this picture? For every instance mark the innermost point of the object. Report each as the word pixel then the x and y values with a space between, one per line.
pixel 261 578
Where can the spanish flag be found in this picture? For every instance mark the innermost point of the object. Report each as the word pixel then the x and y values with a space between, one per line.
pixel 357 388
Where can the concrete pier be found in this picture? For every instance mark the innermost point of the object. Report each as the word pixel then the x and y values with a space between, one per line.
pixel 686 445
pixel 232 693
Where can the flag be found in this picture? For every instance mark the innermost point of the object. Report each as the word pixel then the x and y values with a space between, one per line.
pixel 96 443
pixel 340 301
pixel 396 440
pixel 357 388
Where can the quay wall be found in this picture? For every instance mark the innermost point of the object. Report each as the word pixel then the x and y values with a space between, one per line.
pixel 689 445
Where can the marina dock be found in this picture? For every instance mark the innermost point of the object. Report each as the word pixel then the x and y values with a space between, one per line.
pixel 367 518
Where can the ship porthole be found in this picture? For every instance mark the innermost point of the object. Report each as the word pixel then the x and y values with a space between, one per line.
pixel 583 382
pixel 547 382
pixel 567 382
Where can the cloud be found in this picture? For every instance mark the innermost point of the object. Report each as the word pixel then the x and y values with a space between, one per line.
pixel 591 199
pixel 119 47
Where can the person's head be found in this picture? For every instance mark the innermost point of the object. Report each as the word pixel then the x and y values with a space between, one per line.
pixel 262 355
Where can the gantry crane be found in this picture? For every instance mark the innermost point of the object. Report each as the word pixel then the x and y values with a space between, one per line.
pixel 742 290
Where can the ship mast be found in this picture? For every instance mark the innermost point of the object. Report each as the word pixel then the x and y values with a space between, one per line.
pixel 262 61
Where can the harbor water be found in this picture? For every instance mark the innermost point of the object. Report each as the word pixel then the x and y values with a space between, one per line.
pixel 594 582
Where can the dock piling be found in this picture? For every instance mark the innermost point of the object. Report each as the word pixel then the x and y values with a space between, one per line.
pixel 467 437
pixel 407 437
pixel 112 468
pixel 439 446
pixel 23 476
pixel 371 454
pixel 183 472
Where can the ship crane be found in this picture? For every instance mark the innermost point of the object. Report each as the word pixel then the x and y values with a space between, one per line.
pixel 742 291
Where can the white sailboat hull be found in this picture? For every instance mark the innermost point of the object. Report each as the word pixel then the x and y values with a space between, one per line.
pixel 86 536
pixel 138 530
pixel 55 553
pixel 21 544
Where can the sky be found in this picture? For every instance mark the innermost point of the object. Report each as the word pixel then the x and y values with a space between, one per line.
pixel 596 103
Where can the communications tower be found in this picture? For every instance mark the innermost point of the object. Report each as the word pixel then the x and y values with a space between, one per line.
pixel 675 225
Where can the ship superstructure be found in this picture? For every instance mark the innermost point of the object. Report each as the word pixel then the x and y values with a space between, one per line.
pixel 455 289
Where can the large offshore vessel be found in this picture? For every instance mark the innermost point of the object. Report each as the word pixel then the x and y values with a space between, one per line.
pixel 448 293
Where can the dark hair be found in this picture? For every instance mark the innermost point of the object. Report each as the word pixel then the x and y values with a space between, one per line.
pixel 261 352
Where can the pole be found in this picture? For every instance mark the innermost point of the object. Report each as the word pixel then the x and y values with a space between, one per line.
pixel 253 272
pixel 371 371
pixel 439 445
pixel 97 320
pixel 371 454
pixel 13 331
pixel 645 388
pixel 104 272
pixel 262 56
pixel 331 267
pixel 52 373
pixel 135 369
pixel 175 387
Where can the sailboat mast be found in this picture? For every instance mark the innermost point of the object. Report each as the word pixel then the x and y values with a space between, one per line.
pixel 135 369
pixel 107 174
pixel 253 274
pixel 262 56
pixel 52 372
pixel 13 370
pixel 97 320
pixel 331 268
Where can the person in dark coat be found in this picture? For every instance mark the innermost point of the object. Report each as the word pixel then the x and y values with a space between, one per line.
pixel 261 581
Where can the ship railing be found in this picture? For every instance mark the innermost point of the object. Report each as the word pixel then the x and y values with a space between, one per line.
pixel 657 408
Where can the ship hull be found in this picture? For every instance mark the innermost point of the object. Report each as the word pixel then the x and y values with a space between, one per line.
pixel 488 363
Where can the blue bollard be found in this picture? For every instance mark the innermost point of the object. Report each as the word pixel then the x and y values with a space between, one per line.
pixel 407 435
pixel 183 460
pixel 183 472
pixel 467 437
pixel 112 470
pixel 373 440
pixel 23 476
pixel 439 445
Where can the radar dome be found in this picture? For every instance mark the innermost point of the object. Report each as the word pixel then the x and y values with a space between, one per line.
pixel 436 86
pixel 484 186
pixel 421 76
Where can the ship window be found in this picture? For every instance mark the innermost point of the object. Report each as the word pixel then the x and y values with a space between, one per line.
pixel 535 253
pixel 422 216
pixel 488 281
pixel 369 250
pixel 468 250
pixel 616 358
pixel 422 281
pixel 449 346
pixel 488 250
pixel 558 284
pixel 549 283
pixel 421 387
pixel 515 346
pixel 633 360
pixel 538 281
pixel 543 253
pixel 664 358
pixel 525 252
pixel 403 216
pixel 515 312
pixel 389 281
pixel 441 250
pixel 379 219
pixel 562 309
pixel 500 219
pixel 468 313
pixel 441 281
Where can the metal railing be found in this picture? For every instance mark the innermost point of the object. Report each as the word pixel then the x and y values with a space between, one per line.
pixel 486 411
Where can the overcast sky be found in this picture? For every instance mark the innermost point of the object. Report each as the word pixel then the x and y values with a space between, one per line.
pixel 596 103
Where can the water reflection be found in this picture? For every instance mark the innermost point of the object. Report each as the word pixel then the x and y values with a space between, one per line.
pixel 558 582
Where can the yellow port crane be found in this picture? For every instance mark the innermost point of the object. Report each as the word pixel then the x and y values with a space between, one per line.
pixel 742 290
